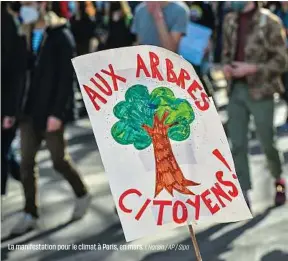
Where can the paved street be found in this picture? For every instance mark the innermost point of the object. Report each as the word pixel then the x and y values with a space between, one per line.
pixel 263 238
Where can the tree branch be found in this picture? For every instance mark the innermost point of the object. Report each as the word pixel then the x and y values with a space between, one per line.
pixel 156 121
pixel 148 129
pixel 164 117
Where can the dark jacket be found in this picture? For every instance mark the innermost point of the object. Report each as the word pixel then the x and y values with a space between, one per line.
pixel 119 33
pixel 50 91
pixel 13 64
pixel 83 28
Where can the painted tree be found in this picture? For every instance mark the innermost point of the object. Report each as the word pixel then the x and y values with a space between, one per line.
pixel 156 118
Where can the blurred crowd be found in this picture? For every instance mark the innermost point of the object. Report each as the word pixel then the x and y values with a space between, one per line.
pixel 39 39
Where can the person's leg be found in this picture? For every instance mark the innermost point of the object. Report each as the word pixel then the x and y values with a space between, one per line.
pixel 4 162
pixel 14 166
pixel 30 144
pixel 285 95
pixel 237 130
pixel 61 161
pixel 7 138
pixel 263 112
pixel 56 145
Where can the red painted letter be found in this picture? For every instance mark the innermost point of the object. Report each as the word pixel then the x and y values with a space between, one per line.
pixel 162 204
pixel 93 95
pixel 234 192
pixel 114 77
pixel 154 62
pixel 208 202
pixel 141 211
pixel 141 66
pixel 123 195
pixel 203 105
pixel 108 90
pixel 184 75
pixel 192 88
pixel 219 192
pixel 196 205
pixel 175 212
pixel 171 75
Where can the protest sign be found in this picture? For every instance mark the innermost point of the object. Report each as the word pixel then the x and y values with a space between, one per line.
pixel 161 141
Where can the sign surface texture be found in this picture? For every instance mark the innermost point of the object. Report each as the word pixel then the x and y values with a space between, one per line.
pixel 161 140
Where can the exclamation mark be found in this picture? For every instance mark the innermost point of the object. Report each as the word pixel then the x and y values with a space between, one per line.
pixel 219 156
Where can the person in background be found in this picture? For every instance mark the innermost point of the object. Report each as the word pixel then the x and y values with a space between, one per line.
pixel 83 26
pixel 117 19
pixel 64 9
pixel 51 47
pixel 12 79
pixel 100 10
pixel 254 57
pixel 160 23
pixel 282 13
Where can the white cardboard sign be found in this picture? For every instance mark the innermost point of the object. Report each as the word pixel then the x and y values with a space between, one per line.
pixel 161 140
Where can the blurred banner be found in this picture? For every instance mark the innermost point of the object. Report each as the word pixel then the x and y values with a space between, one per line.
pixel 161 140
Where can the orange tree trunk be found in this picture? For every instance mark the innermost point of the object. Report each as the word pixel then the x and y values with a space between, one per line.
pixel 169 176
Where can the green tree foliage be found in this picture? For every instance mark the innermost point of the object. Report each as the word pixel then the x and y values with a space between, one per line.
pixel 140 108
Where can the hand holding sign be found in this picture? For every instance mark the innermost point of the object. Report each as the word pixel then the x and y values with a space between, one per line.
pixel 149 99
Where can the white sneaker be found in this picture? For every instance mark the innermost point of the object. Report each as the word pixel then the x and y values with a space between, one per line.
pixel 81 206
pixel 27 222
